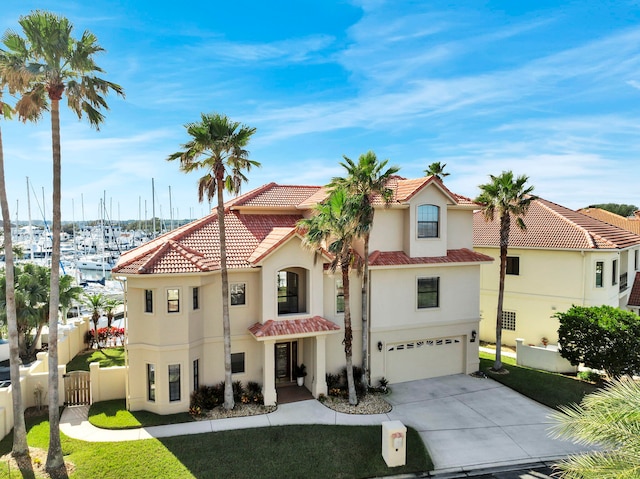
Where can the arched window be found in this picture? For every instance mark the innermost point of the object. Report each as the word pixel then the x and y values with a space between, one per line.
pixel 428 221
pixel 287 292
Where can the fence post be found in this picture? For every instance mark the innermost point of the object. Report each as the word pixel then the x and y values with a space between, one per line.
pixel 94 369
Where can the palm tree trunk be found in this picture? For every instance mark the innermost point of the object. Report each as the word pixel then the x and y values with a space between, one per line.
pixel 32 349
pixel 20 446
pixel 365 313
pixel 55 461
pixel 505 222
pixel 348 334
pixel 226 325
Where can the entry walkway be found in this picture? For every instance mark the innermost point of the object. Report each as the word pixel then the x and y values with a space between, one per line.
pixel 466 423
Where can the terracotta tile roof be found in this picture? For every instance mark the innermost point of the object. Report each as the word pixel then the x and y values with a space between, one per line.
pixel 397 258
pixel 634 296
pixel 293 327
pixel 552 226
pixel 245 234
pixel 275 238
pixel 273 195
pixel 629 224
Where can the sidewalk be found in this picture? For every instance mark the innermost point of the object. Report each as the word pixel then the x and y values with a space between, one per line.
pixel 74 423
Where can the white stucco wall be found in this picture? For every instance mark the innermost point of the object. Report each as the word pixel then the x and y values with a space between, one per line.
pixel 418 247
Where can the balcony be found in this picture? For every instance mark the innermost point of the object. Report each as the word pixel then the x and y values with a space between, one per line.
pixel 623 282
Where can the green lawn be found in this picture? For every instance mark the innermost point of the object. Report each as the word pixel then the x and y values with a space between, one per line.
pixel 281 451
pixel 106 357
pixel 547 388
pixel 114 415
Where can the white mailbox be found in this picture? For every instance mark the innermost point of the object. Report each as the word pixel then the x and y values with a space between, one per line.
pixel 394 443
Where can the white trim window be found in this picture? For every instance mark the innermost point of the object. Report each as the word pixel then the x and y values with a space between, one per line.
pixel 428 221
pixel 237 293
pixel 428 292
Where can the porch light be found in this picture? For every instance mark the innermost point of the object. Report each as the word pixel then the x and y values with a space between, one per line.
pixel 380 346
pixel 473 336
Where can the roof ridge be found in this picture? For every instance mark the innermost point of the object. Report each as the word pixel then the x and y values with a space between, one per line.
pixel 197 258
pixel 587 234
pixel 249 195
pixel 154 257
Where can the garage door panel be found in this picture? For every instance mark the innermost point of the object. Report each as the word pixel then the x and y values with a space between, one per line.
pixel 424 358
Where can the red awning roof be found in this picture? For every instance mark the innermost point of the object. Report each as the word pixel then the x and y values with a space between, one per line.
pixel 293 327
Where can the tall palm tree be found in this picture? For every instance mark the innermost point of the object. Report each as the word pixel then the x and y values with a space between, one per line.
pixel 218 147
pixel 110 304
pixel 20 446
pixel 336 226
pixel 609 419
pixel 366 179
pixel 57 63
pixel 96 302
pixel 437 170
pixel 505 197
pixel 16 80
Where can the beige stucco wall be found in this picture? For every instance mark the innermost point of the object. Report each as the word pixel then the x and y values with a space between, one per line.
pixel 388 231
pixel 395 316
pixel 418 247
pixel 550 281
pixel 291 255
pixel 459 229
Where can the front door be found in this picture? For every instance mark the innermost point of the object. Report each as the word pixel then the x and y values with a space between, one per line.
pixel 286 355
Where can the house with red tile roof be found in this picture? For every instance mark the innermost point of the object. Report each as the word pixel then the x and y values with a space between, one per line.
pixel 630 224
pixel 563 258
pixel 286 306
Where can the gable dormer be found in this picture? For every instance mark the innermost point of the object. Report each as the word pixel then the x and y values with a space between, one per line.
pixel 426 222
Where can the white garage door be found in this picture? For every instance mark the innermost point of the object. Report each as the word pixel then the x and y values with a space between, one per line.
pixel 424 358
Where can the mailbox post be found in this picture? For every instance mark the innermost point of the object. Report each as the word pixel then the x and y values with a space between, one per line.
pixel 394 443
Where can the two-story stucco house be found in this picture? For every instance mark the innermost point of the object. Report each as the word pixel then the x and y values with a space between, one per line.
pixel 563 258
pixel 286 307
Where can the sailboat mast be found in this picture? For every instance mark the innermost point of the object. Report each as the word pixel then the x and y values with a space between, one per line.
pixel 170 209
pixel 153 205
pixel 29 216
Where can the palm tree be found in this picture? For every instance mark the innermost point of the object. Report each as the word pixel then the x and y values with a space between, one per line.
pixel 20 446
pixel 97 303
pixel 110 304
pixel 607 418
pixel 366 179
pixel 57 62
pixel 505 197
pixel 437 170
pixel 68 294
pixel 336 225
pixel 218 147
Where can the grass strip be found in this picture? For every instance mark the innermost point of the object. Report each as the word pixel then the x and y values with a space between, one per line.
pixel 550 389
pixel 107 357
pixel 310 451
pixel 114 415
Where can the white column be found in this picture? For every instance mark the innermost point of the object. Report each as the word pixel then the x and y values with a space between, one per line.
pixel 269 373
pixel 319 384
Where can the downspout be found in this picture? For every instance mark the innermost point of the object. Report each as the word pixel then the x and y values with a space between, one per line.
pixel 584 276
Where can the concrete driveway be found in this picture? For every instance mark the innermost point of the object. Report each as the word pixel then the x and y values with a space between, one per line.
pixel 472 423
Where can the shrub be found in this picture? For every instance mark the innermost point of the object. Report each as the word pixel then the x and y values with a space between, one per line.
pixel 601 337
pixel 333 381
pixel 590 376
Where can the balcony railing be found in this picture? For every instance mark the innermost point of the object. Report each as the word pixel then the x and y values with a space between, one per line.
pixel 623 282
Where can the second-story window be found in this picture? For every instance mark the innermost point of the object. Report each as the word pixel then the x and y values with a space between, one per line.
pixel 196 298
pixel 428 221
pixel 513 265
pixel 237 293
pixel 173 300
pixel 599 272
pixel 614 272
pixel 339 296
pixel 287 292
pixel 148 301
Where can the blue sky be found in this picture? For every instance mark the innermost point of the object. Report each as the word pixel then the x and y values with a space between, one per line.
pixel 549 89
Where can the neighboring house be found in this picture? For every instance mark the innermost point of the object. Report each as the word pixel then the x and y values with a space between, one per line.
pixel 563 258
pixel 286 307
pixel 630 224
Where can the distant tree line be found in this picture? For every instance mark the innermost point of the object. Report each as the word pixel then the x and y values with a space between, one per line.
pixel 619 209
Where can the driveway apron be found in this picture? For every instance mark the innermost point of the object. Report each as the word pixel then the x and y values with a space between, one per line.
pixel 471 423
